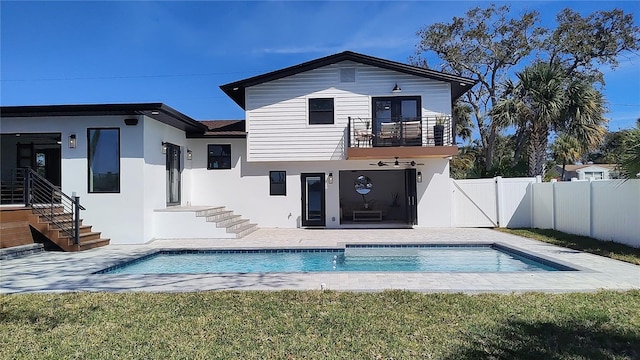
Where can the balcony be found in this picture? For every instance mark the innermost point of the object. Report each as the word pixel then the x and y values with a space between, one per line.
pixel 424 137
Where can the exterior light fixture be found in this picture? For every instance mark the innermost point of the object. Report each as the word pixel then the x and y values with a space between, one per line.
pixel 189 154
pixel 330 178
pixel 419 177
pixel 396 89
pixel 155 112
pixel 72 141
pixel 164 147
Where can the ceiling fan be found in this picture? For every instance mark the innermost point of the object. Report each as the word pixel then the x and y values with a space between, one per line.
pixel 396 163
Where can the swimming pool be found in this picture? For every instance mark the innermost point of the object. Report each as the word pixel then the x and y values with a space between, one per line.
pixel 351 258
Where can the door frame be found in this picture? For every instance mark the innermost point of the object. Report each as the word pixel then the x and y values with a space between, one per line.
pixel 322 221
pixel 411 190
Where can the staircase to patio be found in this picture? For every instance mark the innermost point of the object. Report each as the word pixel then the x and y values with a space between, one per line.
pixel 200 222
pixel 53 215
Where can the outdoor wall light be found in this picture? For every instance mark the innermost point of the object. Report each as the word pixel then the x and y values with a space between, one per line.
pixel 396 89
pixel 72 141
pixel 330 178
pixel 164 147
pixel 419 177
pixel 189 154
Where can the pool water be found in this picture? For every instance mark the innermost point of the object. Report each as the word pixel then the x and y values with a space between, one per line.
pixel 481 258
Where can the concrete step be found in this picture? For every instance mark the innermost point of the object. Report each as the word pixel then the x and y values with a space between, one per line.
pixel 245 230
pixel 229 220
pixel 90 244
pixel 236 225
pixel 210 211
pixel 221 216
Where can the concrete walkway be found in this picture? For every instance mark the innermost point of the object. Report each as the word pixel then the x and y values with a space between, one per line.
pixel 60 272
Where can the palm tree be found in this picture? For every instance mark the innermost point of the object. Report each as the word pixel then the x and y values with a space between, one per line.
pixel 544 100
pixel 566 149
pixel 462 116
pixel 630 158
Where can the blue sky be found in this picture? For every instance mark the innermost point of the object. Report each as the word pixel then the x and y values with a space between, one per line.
pixel 179 53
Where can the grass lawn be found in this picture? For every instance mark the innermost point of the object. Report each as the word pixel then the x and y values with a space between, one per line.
pixel 583 243
pixel 314 324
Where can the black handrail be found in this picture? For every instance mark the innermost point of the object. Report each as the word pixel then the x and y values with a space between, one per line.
pixel 432 130
pixel 48 200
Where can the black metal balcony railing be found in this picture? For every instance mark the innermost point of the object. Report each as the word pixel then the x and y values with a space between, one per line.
pixel 421 131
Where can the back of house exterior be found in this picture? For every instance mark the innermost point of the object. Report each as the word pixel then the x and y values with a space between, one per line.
pixel 341 141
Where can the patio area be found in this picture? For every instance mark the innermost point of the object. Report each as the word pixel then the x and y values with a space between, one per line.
pixel 61 272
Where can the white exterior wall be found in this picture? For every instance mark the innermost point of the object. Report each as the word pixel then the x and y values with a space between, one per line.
pixel 277 111
pixel 245 187
pixel 125 217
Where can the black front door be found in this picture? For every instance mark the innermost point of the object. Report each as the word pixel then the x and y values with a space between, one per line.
pixel 411 191
pixel 173 174
pixel 313 201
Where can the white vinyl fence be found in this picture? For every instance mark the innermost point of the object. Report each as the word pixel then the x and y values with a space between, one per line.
pixel 606 210
pixel 497 202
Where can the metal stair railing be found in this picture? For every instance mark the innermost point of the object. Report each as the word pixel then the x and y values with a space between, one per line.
pixel 48 201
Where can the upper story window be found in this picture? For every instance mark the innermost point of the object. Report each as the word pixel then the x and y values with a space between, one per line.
pixel 104 160
pixel 320 111
pixel 219 157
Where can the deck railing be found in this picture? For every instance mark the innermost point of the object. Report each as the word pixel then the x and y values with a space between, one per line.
pixel 418 131
pixel 47 200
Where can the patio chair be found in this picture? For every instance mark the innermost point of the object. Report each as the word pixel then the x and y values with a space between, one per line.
pixel 388 132
pixel 412 132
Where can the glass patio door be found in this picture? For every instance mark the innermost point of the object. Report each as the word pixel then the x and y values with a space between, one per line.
pixel 313 199
pixel 173 174
pixel 387 110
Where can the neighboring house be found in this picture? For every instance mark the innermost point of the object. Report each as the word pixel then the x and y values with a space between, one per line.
pixel 340 141
pixel 588 171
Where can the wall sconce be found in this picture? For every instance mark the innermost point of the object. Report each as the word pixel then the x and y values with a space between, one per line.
pixel 330 178
pixel 164 147
pixel 419 177
pixel 72 141
pixel 189 154
pixel 396 89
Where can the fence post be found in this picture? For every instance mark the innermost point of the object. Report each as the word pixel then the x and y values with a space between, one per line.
pixel 591 207
pixel 499 199
pixel 554 182
pixel 76 219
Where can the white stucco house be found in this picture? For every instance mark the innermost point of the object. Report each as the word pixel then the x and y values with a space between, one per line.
pixel 345 140
pixel 588 171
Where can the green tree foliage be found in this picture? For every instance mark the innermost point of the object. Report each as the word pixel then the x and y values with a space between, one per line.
pixel 630 157
pixel 488 44
pixel 546 100
pixel 565 149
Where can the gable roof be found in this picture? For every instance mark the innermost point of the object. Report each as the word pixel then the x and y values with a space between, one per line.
pixel 459 84
pixel 583 166
pixel 156 111
pixel 222 129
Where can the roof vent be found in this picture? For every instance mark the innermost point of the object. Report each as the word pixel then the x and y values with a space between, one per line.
pixel 348 74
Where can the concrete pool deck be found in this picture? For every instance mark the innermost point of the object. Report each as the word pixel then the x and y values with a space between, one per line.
pixel 63 272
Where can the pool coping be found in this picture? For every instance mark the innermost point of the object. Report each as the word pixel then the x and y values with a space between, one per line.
pixel 60 272
pixel 544 260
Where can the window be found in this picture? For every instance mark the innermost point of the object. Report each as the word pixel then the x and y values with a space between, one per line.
pixel 320 111
pixel 104 160
pixel 277 183
pixel 219 157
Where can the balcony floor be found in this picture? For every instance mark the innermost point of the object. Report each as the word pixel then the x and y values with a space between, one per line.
pixel 405 152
